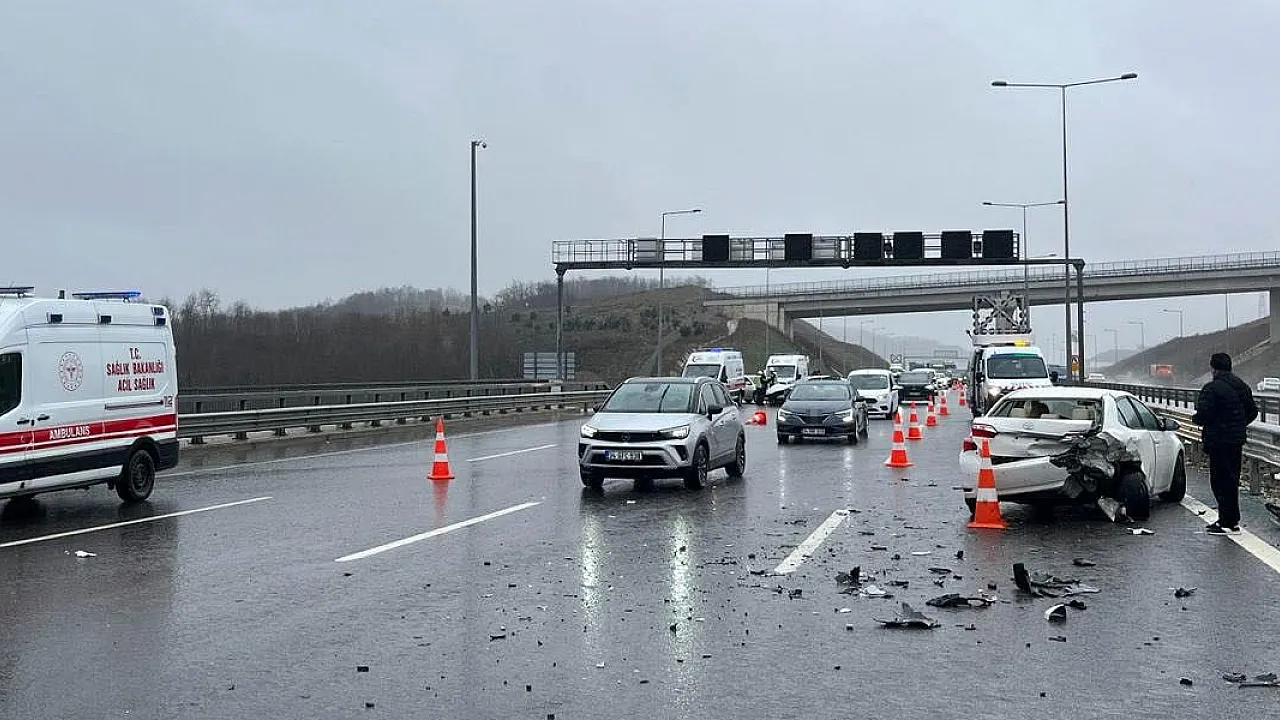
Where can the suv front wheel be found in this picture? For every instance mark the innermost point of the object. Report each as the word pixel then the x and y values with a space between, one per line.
pixel 696 475
pixel 738 467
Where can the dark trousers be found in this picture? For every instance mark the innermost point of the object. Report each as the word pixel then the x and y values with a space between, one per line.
pixel 1224 477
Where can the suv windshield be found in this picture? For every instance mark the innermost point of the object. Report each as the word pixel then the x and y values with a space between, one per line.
pixel 915 378
pixel 650 397
pixel 821 391
pixel 869 382
pixel 785 372
pixel 701 370
pixel 1016 366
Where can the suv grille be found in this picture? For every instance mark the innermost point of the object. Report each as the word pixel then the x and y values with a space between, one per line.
pixel 628 437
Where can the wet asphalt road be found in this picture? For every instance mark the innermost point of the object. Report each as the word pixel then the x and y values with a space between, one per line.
pixel 630 602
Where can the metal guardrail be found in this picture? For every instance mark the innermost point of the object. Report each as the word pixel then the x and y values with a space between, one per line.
pixel 1035 273
pixel 238 423
pixel 206 400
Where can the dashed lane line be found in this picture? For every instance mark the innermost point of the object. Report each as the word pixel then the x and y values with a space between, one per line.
pixel 433 533
pixel 1253 544
pixel 513 452
pixel 811 543
pixel 153 518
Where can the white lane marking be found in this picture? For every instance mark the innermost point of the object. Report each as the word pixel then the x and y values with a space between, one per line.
pixel 811 543
pixel 153 518
pixel 433 533
pixel 1255 545
pixel 513 452
pixel 334 453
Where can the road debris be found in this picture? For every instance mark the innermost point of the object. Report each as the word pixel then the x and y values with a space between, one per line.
pixel 1142 531
pixel 1083 562
pixel 909 617
pixel 956 600
pixel 84 554
pixel 1185 681
pixel 1058 638
pixel 1183 592
pixel 1057 613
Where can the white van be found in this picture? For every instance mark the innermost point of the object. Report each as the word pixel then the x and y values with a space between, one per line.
pixel 996 370
pixel 722 364
pixel 877 384
pixel 88 393
pixel 788 369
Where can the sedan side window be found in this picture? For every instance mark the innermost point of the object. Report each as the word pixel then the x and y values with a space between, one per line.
pixel 1128 415
pixel 1145 416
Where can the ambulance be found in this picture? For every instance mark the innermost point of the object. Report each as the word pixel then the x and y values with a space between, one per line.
pixel 88 393
pixel 724 364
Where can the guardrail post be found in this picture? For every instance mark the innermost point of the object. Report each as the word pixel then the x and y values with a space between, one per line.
pixel 1254 468
pixel 315 400
pixel 347 425
pixel 281 432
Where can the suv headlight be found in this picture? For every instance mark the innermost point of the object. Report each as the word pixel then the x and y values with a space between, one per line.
pixel 847 415
pixel 784 415
pixel 588 431
pixel 676 433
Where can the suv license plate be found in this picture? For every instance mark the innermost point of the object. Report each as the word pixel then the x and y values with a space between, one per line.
pixel 814 431
pixel 624 455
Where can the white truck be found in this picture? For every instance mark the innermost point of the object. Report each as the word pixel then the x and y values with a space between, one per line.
pixel 723 364
pixel 88 393
pixel 782 372
pixel 1002 364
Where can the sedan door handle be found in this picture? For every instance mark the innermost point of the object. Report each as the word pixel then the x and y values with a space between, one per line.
pixel 43 417
pixel 23 421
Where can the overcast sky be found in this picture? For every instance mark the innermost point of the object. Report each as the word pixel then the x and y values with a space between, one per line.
pixel 290 151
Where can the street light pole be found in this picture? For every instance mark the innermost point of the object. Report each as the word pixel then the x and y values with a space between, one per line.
pixel 475 311
pixel 1066 205
pixel 1026 277
pixel 662 262
pixel 1181 332
pixel 1142 336
pixel 1115 345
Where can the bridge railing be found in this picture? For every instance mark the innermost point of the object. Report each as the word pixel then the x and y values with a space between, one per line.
pixel 225 399
pixel 1262 448
pixel 280 420
pixel 1036 273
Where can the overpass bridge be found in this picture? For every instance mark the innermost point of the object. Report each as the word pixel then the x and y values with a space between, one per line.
pixel 780 304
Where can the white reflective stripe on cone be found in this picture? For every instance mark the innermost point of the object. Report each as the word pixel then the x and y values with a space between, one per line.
pixel 986 494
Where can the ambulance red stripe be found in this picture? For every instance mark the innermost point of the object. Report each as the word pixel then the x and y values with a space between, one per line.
pixel 47 437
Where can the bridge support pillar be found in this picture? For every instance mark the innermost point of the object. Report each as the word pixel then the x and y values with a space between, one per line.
pixel 1275 315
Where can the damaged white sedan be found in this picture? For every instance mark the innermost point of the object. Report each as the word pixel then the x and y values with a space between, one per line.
pixel 1063 444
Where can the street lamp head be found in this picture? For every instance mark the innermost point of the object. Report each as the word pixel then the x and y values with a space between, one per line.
pixel 999 83
pixel 987 202
pixel 1129 76
pixel 479 143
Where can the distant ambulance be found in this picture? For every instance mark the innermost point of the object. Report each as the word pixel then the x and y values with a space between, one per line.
pixel 88 393
pixel 1002 364
pixel 723 364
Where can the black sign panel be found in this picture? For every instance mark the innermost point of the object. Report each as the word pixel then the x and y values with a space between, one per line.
pixel 997 245
pixel 908 246
pixel 957 244
pixel 715 248
pixel 798 247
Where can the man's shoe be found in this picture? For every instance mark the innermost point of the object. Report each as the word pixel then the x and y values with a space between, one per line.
pixel 1216 529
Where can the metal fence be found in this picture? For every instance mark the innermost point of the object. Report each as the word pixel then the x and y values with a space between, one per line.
pixel 205 400
pixel 279 420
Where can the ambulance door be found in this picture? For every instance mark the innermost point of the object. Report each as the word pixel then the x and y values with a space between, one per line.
pixel 16 421
pixel 64 366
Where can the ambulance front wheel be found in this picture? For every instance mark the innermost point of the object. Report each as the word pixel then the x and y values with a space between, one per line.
pixel 138 477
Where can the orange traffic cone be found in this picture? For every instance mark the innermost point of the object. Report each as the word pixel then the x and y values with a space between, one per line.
pixel 914 432
pixel 440 467
pixel 898 456
pixel 963 392
pixel 986 512
pixel 930 420
pixel 942 406
pixel 759 418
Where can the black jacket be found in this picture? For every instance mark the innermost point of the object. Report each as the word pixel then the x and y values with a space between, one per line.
pixel 1224 410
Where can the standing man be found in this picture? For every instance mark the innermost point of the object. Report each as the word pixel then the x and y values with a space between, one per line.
pixel 1223 411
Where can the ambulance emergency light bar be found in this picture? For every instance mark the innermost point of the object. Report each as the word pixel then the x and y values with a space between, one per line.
pixel 914 248
pixel 125 295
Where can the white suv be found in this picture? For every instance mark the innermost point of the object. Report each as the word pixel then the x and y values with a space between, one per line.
pixel 663 427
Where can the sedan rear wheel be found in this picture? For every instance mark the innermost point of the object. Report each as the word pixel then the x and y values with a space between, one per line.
pixel 1137 498
pixel 1178 486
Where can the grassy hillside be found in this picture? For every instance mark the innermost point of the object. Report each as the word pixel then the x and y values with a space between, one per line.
pixel 1190 356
